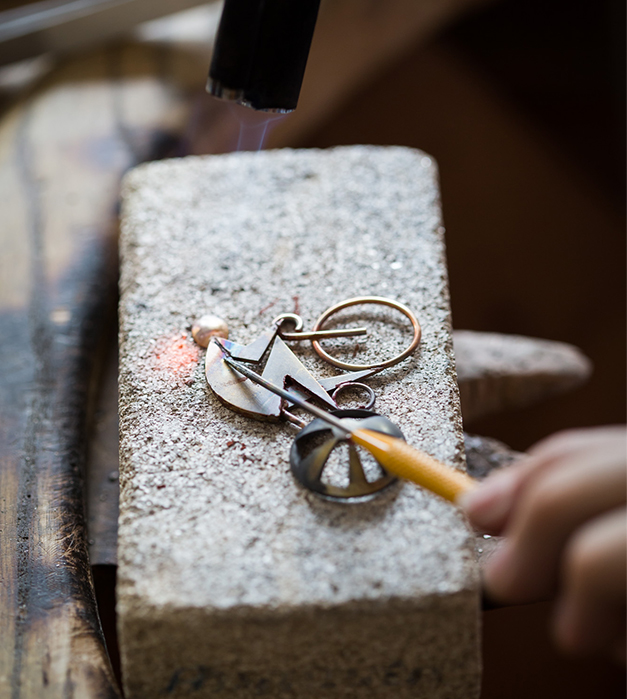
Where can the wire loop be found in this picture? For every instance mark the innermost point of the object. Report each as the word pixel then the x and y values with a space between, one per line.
pixel 358 300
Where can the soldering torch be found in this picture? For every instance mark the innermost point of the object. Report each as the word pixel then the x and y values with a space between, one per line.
pixel 261 51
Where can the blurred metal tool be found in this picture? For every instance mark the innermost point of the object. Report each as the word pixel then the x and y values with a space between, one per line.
pixel 60 26
pixel 261 52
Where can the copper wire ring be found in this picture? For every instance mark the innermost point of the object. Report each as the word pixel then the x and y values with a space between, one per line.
pixel 379 300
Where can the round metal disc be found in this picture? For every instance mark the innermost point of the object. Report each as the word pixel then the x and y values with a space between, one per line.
pixel 312 448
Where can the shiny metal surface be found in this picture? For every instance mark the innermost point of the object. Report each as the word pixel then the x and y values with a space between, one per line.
pixel 313 447
pixel 357 301
pixel 285 381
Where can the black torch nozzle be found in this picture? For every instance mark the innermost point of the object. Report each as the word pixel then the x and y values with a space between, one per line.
pixel 261 51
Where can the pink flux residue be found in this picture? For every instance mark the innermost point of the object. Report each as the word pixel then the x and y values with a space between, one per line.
pixel 177 356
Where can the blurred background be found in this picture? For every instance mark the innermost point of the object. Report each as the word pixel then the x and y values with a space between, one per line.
pixel 522 105
pixel 520 102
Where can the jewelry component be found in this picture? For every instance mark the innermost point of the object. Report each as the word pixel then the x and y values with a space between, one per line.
pixel 280 380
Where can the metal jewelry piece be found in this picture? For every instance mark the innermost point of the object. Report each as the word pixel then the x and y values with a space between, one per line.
pixel 265 394
pixel 309 455
pixel 358 301
pixel 361 386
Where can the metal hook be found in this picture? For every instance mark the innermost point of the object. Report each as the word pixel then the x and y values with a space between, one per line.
pixel 293 317
pixel 299 335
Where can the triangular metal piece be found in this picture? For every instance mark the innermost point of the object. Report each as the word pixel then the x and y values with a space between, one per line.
pixel 357 477
pixel 282 362
pixel 334 381
pixel 231 347
pixel 256 349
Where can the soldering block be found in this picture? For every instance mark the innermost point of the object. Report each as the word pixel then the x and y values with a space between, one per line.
pixel 235 581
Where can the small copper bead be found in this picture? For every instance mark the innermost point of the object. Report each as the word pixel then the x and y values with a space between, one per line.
pixel 207 327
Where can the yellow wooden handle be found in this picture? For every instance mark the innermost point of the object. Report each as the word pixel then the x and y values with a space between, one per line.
pixel 414 465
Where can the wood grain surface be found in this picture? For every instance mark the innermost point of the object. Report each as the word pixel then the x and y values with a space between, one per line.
pixel 63 149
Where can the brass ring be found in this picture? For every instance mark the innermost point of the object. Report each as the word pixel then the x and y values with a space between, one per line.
pixel 356 302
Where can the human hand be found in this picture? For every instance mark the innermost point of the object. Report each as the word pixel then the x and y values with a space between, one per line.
pixel 562 512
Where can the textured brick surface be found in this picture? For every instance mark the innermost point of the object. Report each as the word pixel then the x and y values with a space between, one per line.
pixel 234 581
